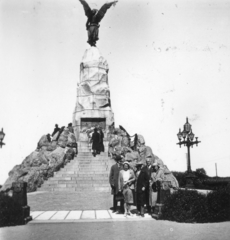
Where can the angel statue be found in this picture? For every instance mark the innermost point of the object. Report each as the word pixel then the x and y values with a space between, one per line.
pixel 94 17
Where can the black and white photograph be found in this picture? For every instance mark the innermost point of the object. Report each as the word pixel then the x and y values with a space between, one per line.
pixel 114 119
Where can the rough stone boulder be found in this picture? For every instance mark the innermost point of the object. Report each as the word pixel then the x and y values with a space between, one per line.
pixel 41 164
pixel 132 156
pixel 43 142
pixel 63 139
pixel 145 151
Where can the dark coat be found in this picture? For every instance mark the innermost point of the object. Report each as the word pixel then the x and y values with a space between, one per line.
pixel 56 129
pixel 147 189
pixel 96 141
pixel 114 177
pixel 142 181
pixel 102 148
pixel 148 170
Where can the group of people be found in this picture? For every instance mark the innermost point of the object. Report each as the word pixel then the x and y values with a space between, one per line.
pixel 57 130
pixel 97 141
pixel 137 185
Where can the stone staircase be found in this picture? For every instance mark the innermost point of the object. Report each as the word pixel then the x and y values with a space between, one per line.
pixel 85 173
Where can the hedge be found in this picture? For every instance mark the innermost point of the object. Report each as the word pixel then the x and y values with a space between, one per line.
pixel 189 206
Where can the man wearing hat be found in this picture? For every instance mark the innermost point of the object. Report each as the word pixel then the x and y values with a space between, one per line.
pixel 148 169
pixel 113 180
pixel 141 185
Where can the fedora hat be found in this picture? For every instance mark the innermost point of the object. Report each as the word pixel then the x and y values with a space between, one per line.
pixel 140 162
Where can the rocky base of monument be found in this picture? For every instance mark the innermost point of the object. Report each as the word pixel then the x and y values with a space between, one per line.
pixel 41 164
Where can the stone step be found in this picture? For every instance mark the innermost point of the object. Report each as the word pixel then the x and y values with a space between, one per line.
pixel 92 168
pixel 85 143
pixel 92 184
pixel 80 172
pixel 90 154
pixel 80 178
pixel 74 189
pixel 91 161
pixel 86 166
pixel 84 169
pixel 76 181
pixel 92 158
pixel 93 174
pixel 87 162
pixel 89 149
pixel 93 164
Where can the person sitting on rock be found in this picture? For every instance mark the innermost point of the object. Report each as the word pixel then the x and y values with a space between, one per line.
pixel 60 132
pixel 56 129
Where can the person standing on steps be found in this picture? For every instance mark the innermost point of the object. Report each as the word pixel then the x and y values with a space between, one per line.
pixel 113 180
pixel 102 148
pixel 95 142
pixel 141 185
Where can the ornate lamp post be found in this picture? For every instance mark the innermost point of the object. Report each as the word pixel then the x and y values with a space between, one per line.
pixel 186 138
pixel 2 135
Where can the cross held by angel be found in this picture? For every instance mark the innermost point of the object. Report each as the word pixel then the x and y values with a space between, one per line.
pixel 94 17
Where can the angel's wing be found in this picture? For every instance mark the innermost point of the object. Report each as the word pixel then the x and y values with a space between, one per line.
pixel 101 13
pixel 86 8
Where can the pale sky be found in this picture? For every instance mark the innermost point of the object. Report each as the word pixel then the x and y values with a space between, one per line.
pixel 168 60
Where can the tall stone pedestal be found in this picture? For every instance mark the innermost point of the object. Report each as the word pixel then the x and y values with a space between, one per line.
pixel 93 105
pixel 20 196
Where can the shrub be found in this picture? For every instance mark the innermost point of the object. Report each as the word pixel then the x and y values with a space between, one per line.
pixel 181 178
pixel 219 205
pixel 10 211
pixel 185 206
pixel 190 206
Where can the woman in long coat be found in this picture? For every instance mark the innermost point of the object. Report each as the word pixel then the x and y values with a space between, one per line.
pixel 156 176
pixel 96 142
pixel 126 181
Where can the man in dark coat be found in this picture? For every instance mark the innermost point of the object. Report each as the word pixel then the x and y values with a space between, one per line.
pixel 113 180
pixel 95 142
pixel 141 185
pixel 148 169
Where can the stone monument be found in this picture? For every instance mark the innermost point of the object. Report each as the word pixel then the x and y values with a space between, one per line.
pixel 93 104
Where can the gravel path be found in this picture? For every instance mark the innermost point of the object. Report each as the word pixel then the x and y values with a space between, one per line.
pixel 56 201
pixel 119 230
